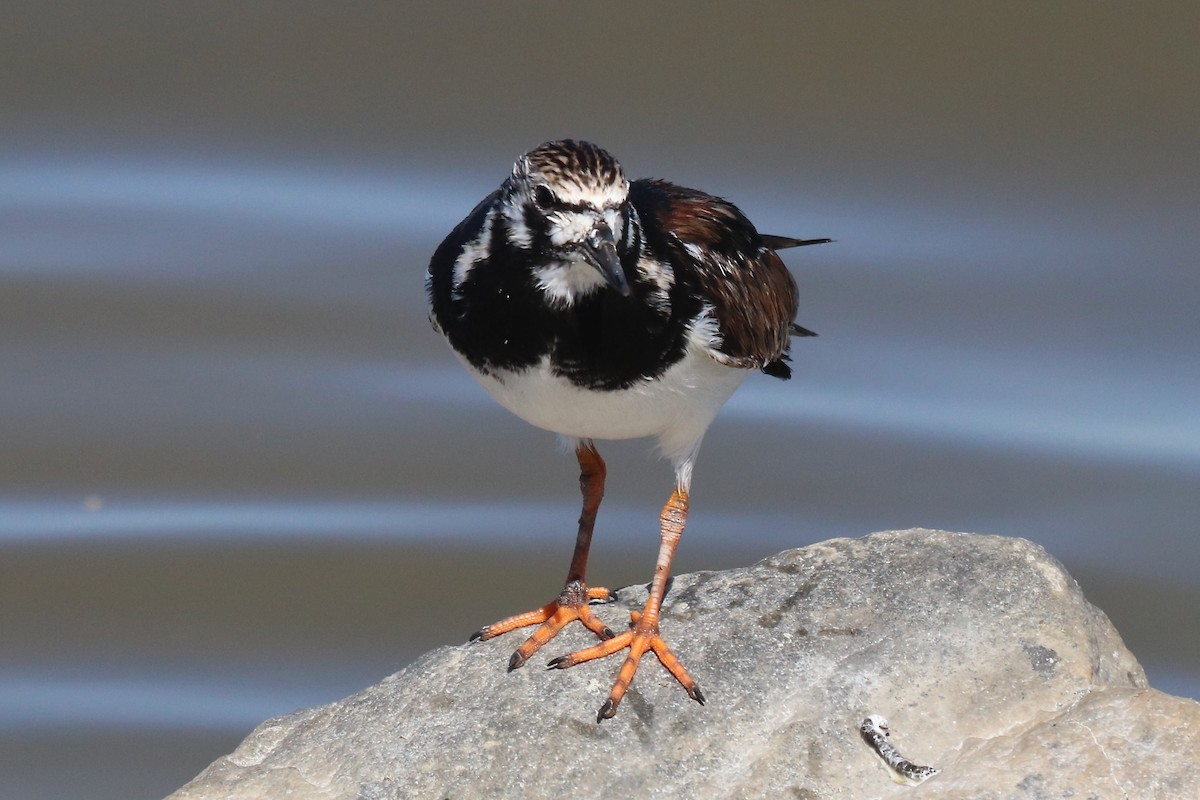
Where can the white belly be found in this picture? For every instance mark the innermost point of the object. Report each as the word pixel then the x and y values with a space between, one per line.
pixel 676 408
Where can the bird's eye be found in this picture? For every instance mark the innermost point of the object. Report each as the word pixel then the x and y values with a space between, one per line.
pixel 542 196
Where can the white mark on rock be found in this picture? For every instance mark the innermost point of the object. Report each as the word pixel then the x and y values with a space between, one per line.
pixel 874 730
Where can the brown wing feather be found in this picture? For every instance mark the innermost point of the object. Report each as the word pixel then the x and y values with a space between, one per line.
pixel 752 293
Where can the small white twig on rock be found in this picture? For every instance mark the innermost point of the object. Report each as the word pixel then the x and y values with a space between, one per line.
pixel 874 730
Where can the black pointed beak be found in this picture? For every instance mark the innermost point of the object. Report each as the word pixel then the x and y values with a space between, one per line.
pixel 600 250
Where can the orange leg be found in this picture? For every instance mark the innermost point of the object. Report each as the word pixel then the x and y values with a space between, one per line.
pixel 572 603
pixel 643 633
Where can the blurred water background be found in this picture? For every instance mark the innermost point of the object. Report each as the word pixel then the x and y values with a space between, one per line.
pixel 240 475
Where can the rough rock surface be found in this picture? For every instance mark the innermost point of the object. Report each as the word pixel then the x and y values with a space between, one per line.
pixel 980 651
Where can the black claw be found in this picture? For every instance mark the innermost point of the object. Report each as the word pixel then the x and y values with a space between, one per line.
pixel 696 694
pixel 516 661
pixel 607 633
pixel 606 711
pixel 556 663
pixel 476 636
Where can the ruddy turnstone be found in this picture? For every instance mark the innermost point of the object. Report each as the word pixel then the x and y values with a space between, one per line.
pixel 600 308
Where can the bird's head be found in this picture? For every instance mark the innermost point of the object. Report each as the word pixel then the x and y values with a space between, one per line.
pixel 567 205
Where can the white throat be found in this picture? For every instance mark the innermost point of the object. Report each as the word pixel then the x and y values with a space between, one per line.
pixel 564 282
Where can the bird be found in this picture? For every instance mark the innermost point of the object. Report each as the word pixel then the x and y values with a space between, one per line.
pixel 600 308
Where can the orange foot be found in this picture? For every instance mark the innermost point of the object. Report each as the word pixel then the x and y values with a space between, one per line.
pixel 640 637
pixel 572 604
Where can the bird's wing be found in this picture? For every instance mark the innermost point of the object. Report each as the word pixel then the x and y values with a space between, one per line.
pixel 719 255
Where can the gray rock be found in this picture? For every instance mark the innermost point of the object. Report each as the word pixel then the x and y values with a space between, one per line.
pixel 981 651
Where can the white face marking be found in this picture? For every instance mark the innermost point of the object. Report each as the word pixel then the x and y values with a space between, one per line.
pixel 567 279
pixel 614 220
pixel 570 227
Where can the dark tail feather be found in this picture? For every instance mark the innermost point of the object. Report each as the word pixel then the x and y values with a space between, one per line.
pixel 784 242
pixel 778 369
pixel 780 243
pixel 796 330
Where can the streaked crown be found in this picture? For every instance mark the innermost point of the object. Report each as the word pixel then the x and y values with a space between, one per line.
pixel 576 172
